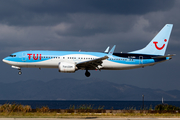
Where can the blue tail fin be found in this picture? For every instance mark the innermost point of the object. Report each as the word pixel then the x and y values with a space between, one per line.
pixel 158 44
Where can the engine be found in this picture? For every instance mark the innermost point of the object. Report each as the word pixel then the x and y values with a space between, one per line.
pixel 67 67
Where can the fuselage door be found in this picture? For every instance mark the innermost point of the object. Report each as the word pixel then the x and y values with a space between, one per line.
pixel 141 60
pixel 23 56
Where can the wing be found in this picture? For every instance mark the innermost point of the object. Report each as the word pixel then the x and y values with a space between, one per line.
pixel 112 50
pixel 91 64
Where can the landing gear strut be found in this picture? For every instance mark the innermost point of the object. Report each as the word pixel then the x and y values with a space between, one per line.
pixel 87 73
pixel 19 72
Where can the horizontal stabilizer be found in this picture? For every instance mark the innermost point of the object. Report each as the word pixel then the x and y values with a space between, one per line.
pixel 158 57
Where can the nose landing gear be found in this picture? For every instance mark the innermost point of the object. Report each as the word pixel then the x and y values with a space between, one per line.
pixel 19 71
pixel 87 73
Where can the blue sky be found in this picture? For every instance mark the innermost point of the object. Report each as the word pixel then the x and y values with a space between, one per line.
pixel 90 25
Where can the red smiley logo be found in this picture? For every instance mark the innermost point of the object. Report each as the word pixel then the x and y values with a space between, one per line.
pixel 159 48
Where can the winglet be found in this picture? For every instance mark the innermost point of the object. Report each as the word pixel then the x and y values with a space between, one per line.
pixel 107 50
pixel 112 50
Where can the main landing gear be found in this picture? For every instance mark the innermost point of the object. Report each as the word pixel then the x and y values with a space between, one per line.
pixel 87 73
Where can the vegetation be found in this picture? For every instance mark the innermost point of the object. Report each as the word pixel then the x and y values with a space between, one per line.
pixel 85 111
pixel 85 107
pixel 43 109
pixel 166 107
pixel 15 108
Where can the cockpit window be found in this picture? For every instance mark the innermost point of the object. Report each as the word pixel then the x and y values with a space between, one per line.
pixel 12 55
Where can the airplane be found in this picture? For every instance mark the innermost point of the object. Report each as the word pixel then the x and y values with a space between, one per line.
pixel 71 61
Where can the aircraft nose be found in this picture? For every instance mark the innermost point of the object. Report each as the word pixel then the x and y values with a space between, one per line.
pixel 5 61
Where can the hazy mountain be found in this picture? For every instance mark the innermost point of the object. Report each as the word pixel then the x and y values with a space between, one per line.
pixel 72 89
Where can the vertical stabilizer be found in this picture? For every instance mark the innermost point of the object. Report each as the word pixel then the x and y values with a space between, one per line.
pixel 159 43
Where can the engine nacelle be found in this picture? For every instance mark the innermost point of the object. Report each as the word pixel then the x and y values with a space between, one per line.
pixel 67 67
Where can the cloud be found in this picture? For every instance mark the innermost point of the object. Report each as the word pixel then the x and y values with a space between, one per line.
pixel 90 25
pixel 45 12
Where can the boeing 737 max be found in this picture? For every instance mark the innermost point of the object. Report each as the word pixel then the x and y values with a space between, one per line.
pixel 71 61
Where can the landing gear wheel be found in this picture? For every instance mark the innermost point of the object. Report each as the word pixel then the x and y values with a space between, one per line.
pixel 87 73
pixel 19 72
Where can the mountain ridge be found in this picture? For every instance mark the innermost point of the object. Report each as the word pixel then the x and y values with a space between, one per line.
pixel 73 89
